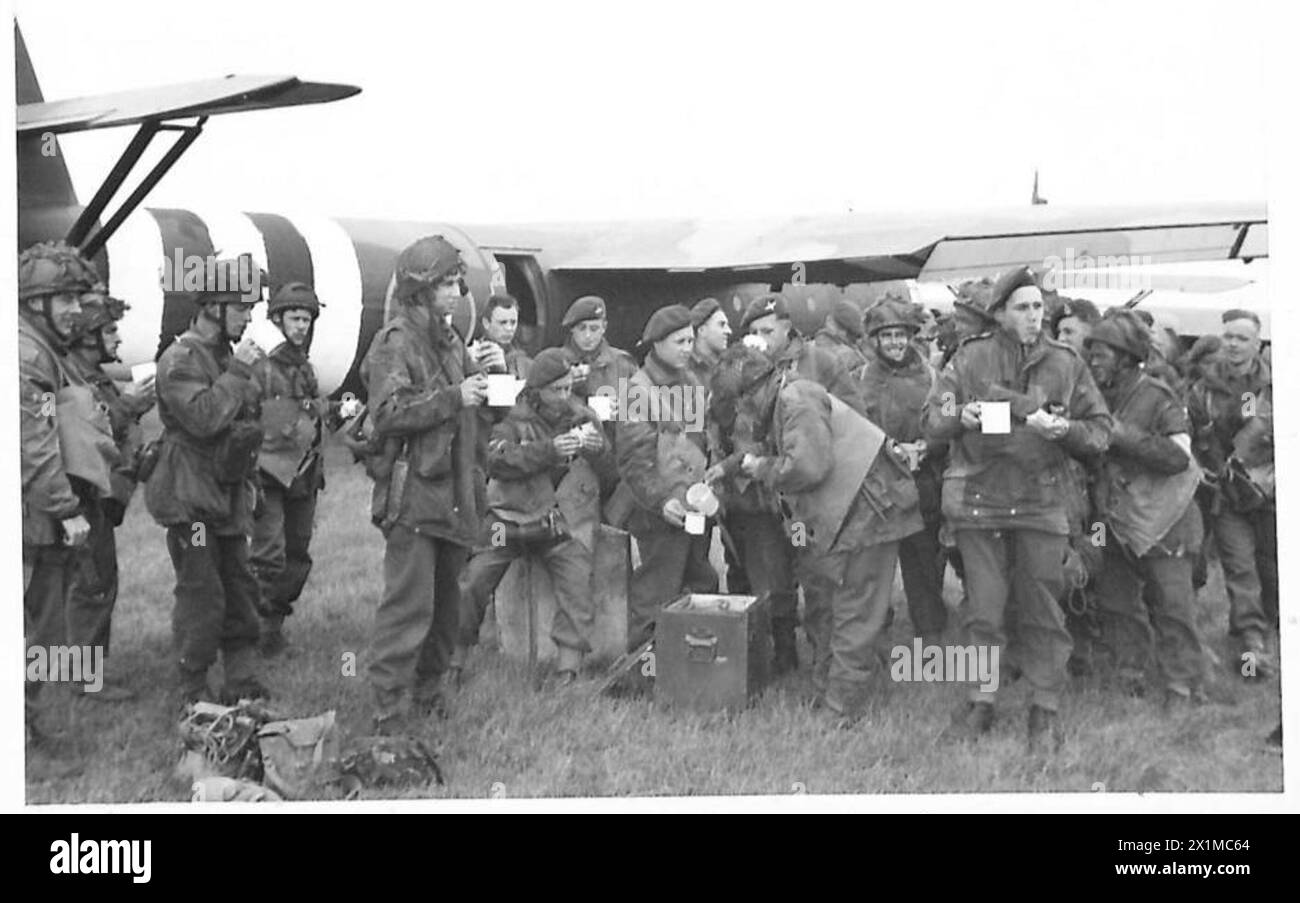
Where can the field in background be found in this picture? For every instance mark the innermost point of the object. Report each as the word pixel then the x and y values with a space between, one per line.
pixel 503 739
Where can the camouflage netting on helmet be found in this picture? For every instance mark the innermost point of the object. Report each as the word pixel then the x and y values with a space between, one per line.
pixel 97 312
pixel 53 268
pixel 894 312
pixel 424 263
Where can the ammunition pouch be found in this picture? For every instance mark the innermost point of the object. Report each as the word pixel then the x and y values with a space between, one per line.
pixel 387 506
pixel 147 460
pixel 1239 491
pixel 544 531
pixel 235 457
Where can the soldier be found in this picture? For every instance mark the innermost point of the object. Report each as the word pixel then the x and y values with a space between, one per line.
pixel 90 607
pixel 759 555
pixel 500 321
pixel 1073 321
pixel 202 488
pixel 768 317
pixel 1002 492
pixel 849 490
pixel 429 467
pixel 661 451
pixel 841 334
pixel 52 280
pixel 970 317
pixel 712 333
pixel 528 455
pixel 599 365
pixel 896 385
pixel 291 468
pixel 1145 496
pixel 1231 411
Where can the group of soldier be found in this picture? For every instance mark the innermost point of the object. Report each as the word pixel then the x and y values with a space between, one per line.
pixel 238 520
pixel 834 457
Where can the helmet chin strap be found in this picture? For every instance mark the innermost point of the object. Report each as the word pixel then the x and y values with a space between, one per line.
pixel 47 309
pixel 220 318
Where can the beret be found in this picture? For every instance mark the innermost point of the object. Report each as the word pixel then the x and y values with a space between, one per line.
pixel 588 307
pixel 665 321
pixel 762 306
pixel 549 365
pixel 704 309
pixel 1020 277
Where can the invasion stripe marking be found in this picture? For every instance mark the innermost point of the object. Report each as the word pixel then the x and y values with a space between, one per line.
pixel 180 229
pixel 338 285
pixel 287 255
pixel 135 253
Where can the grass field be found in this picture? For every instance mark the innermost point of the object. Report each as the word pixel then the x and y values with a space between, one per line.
pixel 503 739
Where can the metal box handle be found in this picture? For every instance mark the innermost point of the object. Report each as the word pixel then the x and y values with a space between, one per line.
pixel 702 647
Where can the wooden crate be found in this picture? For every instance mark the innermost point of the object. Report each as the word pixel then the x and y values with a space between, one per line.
pixel 609 581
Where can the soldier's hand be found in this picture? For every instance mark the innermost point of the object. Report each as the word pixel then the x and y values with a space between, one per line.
pixel 248 352
pixel 750 464
pixel 674 512
pixel 713 474
pixel 970 415
pixel 146 394
pixel 76 529
pixel 473 391
pixel 593 440
pixel 1046 425
pixel 566 445
pixel 490 356
pixel 1057 429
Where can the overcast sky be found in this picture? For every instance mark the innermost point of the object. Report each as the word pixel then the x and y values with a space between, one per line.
pixel 560 110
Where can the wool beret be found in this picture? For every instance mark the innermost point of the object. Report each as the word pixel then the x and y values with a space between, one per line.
pixel 665 321
pixel 704 309
pixel 588 307
pixel 1020 277
pixel 762 306
pixel 549 365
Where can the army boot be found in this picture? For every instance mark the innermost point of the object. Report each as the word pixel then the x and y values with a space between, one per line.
pixel 241 677
pixel 567 666
pixel 1254 663
pixel 272 642
pixel 970 721
pixel 427 698
pixel 1044 731
pixel 456 667
pixel 194 686
pixel 390 713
